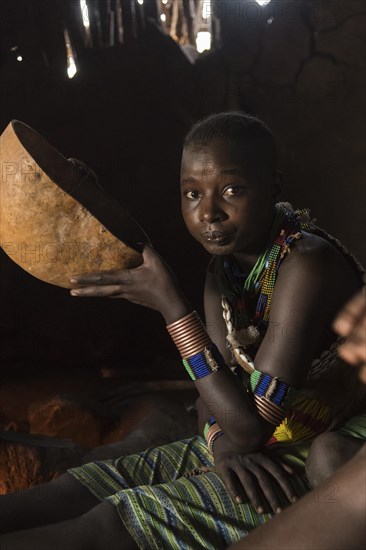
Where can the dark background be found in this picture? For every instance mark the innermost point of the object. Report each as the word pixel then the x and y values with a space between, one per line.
pixel 298 65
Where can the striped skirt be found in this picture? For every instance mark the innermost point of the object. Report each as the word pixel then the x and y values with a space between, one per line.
pixel 163 509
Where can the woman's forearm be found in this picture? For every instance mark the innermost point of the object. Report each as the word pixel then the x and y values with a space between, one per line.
pixel 233 408
pixel 221 391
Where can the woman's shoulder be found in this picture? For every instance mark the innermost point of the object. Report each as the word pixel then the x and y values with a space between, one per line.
pixel 313 245
pixel 317 272
pixel 315 252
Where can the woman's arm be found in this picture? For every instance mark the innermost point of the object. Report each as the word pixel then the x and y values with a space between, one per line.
pixel 331 516
pixel 313 282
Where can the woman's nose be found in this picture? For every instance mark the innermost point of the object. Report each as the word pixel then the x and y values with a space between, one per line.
pixel 210 211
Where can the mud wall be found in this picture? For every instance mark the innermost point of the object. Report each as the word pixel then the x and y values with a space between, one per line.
pixel 298 65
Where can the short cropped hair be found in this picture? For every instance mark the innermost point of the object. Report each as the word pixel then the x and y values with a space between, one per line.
pixel 256 139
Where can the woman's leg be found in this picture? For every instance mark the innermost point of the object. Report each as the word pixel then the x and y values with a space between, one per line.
pixel 98 529
pixel 59 500
pixel 328 452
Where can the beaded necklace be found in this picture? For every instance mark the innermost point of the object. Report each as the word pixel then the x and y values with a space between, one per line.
pixel 250 295
pixel 251 281
pixel 246 298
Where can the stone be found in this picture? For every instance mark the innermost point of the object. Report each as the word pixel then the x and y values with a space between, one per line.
pixel 27 460
pixel 64 417
pixel 149 420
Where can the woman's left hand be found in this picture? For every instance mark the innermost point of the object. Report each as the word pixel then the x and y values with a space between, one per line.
pixel 259 476
pixel 152 285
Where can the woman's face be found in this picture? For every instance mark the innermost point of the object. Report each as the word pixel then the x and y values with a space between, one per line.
pixel 223 210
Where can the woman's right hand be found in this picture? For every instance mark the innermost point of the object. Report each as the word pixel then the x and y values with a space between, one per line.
pixel 152 285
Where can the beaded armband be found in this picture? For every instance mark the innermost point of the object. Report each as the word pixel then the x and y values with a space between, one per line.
pixel 208 425
pixel 272 396
pixel 213 433
pixel 200 355
pixel 205 362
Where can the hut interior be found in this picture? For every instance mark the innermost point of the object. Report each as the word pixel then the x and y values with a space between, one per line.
pixel 117 84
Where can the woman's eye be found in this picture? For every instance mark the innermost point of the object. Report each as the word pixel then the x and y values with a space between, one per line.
pixel 233 190
pixel 191 195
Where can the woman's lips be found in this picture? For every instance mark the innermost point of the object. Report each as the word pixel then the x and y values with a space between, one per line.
pixel 216 237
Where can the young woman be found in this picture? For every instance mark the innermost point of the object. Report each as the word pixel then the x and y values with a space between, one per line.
pixel 267 372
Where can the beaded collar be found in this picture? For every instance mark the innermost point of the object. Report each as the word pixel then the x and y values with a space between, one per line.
pixel 246 298
pixel 250 295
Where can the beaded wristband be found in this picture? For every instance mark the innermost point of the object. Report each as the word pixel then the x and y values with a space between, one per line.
pixel 272 397
pixel 200 355
pixel 213 433
pixel 208 425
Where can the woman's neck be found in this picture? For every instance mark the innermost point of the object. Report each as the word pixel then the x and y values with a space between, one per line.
pixel 247 259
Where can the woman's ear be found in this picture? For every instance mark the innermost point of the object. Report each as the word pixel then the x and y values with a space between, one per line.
pixel 277 184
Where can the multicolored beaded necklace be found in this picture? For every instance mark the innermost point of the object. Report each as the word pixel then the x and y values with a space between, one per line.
pixel 250 295
pixel 246 308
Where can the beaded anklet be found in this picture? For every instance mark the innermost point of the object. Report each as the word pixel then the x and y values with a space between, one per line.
pixel 200 355
pixel 272 397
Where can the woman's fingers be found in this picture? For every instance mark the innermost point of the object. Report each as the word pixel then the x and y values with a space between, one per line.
pixel 354 348
pixel 103 278
pixel 266 477
pixel 252 490
pixel 351 323
pixel 351 314
pixel 265 481
pixel 267 485
pixel 257 478
pixel 116 277
pixel 102 284
pixel 112 291
pixel 281 475
pixel 231 483
pixel 151 285
pixel 362 374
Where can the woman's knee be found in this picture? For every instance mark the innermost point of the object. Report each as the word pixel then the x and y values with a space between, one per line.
pixel 328 452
